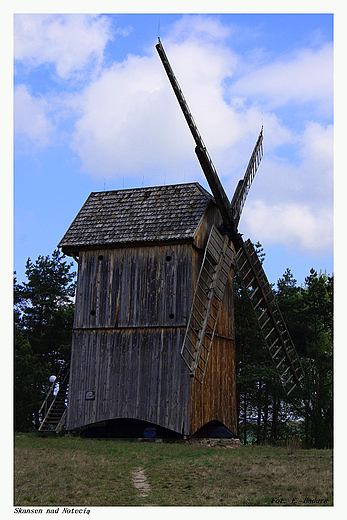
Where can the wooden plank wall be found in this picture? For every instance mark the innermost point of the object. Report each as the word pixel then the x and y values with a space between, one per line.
pixel 131 312
pixel 134 287
pixel 135 373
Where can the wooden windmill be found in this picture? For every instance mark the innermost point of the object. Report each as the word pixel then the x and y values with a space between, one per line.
pixel 153 339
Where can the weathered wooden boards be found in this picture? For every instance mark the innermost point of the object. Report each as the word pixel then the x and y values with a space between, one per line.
pixel 131 311
pixel 131 373
pixel 134 287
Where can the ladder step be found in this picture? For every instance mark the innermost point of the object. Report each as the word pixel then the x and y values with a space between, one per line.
pixel 289 391
pixel 273 344
pixel 200 300
pixel 262 314
pixel 277 351
pixel 189 352
pixel 212 264
pixel 269 334
pixel 265 323
pixel 249 284
pixel 290 377
pixel 208 274
pixel 243 265
pixel 284 373
pixel 216 306
pixel 197 310
pixel 253 293
pixel 280 363
pixel 258 303
pixel 194 332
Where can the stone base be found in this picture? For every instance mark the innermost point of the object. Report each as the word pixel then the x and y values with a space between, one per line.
pixel 215 443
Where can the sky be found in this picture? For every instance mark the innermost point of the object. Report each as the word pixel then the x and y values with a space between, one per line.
pixel 94 111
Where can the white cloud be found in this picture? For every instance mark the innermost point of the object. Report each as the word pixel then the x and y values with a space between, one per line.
pixel 198 27
pixel 122 125
pixel 292 203
pixel 68 41
pixel 295 225
pixel 304 173
pixel 31 122
pixel 305 77
pixel 317 144
pixel 130 119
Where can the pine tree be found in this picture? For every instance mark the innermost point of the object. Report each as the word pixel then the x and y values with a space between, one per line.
pixel 318 312
pixel 43 317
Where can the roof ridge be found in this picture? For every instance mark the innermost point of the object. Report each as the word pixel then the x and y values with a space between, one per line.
pixel 204 191
pixel 197 184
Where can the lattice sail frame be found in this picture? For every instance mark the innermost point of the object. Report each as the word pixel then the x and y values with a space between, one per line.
pixel 207 301
pixel 271 323
pixel 243 187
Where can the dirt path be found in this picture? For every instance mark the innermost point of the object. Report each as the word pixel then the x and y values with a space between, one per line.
pixel 140 481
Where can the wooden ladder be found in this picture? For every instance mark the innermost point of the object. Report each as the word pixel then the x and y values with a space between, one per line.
pixel 52 414
pixel 207 300
pixel 269 317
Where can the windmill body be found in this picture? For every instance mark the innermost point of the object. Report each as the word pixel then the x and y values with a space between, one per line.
pixel 139 255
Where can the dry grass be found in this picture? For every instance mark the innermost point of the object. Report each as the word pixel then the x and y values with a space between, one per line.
pixel 67 471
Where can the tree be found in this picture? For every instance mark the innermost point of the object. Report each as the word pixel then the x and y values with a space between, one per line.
pixel 43 317
pixel 318 312
pixel 29 373
pixel 290 300
pixel 44 305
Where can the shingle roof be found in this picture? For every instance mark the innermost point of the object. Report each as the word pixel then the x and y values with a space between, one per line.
pixel 138 215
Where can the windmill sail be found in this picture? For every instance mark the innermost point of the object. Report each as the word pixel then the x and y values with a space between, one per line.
pixel 244 185
pixel 207 302
pixel 201 327
pixel 273 328
pixel 205 160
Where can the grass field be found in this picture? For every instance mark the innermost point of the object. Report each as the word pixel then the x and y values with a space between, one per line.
pixel 72 471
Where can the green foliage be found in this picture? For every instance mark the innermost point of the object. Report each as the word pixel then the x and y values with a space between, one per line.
pixel 28 373
pixel 318 310
pixel 43 317
pixel 44 305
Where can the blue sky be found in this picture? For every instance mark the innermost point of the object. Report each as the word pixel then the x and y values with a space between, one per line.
pixel 94 110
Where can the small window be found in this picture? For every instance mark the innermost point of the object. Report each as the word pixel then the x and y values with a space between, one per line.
pixel 92 312
pixel 168 258
pixel 171 316
pixel 101 257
